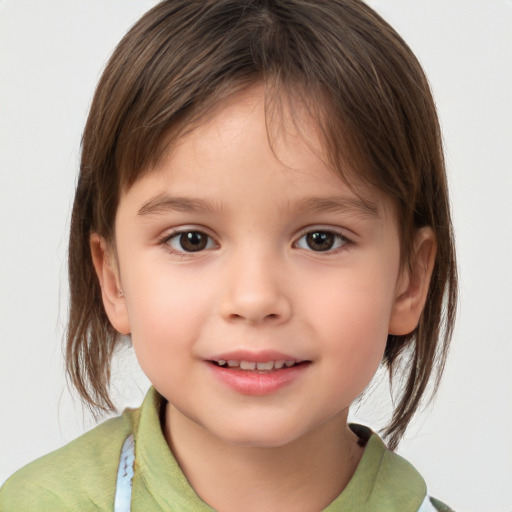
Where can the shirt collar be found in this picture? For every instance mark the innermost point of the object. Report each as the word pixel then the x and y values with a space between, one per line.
pixel 382 477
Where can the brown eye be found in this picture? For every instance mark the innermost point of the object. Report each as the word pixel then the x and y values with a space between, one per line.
pixel 321 241
pixel 190 241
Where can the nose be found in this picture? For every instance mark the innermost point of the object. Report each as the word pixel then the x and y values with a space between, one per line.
pixel 255 291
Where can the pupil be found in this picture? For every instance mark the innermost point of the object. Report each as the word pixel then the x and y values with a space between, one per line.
pixel 320 240
pixel 192 241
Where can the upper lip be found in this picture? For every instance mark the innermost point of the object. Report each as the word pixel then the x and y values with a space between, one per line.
pixel 261 356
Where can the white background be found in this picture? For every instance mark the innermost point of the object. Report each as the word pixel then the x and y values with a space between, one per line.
pixel 51 56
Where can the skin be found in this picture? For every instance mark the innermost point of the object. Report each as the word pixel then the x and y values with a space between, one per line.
pixel 259 284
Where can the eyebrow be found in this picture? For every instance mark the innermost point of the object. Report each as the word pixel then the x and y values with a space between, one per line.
pixel 341 204
pixel 162 204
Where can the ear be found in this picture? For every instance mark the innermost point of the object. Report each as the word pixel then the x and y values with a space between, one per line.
pixel 413 284
pixel 111 291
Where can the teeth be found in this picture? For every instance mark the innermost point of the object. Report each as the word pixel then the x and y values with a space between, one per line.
pixel 250 365
pixel 265 366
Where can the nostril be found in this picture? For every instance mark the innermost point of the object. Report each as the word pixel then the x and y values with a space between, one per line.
pixel 255 308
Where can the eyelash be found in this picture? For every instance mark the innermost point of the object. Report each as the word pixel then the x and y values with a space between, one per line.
pixel 339 239
pixel 176 235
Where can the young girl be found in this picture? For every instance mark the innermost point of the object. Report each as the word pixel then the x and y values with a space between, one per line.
pixel 262 207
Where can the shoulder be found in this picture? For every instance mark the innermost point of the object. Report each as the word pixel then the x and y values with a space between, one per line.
pixel 80 473
pixel 405 482
pixel 386 481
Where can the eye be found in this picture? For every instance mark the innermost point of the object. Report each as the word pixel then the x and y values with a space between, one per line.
pixel 189 241
pixel 321 241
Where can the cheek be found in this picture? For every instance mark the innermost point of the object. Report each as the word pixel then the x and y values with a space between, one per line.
pixel 167 313
pixel 352 318
pixel 360 302
pixel 354 342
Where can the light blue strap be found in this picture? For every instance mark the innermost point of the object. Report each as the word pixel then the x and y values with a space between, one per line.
pixel 125 476
pixel 427 506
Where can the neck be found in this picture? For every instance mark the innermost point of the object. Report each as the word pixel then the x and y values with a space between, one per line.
pixel 303 475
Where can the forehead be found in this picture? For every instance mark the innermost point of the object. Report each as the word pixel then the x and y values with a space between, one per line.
pixel 257 145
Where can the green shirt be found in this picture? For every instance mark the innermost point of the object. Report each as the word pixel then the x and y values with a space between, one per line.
pixel 82 475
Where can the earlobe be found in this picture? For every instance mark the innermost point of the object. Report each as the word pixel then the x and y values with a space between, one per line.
pixel 414 284
pixel 112 294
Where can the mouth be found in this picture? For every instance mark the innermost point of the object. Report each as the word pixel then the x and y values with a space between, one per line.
pixel 257 374
pixel 257 366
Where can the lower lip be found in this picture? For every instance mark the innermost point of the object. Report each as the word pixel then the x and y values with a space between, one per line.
pixel 257 383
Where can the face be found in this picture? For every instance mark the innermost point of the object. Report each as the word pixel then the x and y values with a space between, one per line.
pixel 258 288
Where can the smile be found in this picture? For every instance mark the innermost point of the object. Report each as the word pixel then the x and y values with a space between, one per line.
pixel 260 376
pixel 264 366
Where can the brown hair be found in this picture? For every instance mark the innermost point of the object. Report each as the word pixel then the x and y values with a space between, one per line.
pixel 374 109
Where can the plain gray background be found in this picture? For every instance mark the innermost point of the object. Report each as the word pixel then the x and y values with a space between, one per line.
pixel 51 56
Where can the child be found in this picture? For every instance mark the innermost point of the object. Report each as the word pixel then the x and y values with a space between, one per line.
pixel 262 207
